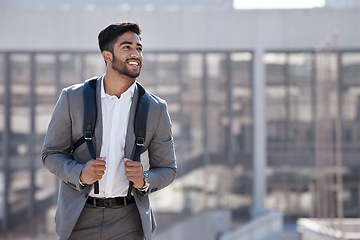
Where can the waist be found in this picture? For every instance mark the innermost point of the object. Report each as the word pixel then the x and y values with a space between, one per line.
pixel 110 202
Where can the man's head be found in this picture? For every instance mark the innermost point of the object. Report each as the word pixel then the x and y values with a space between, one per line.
pixel 121 48
pixel 108 36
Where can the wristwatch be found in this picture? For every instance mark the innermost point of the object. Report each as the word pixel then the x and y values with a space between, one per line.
pixel 147 182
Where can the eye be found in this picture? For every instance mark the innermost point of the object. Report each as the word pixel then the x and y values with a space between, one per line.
pixel 140 49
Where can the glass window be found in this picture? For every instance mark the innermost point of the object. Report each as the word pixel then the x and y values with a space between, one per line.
pixel 350 116
pixel 239 111
pixel 289 106
pixel 20 124
pixel 2 107
pixel 302 110
pixel 300 94
pixel 275 68
pixel 216 102
pixel 192 94
pixel 351 86
pixel 94 65
pixel 70 67
pixel 46 95
pixel 3 64
pixel 241 102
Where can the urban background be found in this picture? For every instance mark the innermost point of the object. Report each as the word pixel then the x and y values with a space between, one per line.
pixel 265 107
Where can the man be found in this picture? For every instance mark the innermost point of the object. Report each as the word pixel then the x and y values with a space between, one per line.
pixel 82 213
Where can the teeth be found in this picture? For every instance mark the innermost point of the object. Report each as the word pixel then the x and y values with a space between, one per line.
pixel 134 63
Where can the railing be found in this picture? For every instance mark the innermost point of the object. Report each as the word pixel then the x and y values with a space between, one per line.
pixel 329 229
pixel 301 199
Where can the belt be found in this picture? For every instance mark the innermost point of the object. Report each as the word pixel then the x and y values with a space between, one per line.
pixel 110 202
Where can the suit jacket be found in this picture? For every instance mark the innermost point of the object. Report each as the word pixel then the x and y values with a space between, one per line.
pixel 66 127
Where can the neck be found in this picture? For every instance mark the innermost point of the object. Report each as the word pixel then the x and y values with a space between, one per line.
pixel 115 84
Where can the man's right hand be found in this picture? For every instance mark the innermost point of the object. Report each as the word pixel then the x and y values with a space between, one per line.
pixel 93 171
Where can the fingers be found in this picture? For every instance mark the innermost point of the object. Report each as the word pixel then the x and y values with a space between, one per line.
pixel 134 172
pixel 93 170
pixel 97 165
pixel 130 163
pixel 99 161
pixel 133 168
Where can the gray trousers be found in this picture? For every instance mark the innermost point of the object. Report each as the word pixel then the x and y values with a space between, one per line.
pixel 108 223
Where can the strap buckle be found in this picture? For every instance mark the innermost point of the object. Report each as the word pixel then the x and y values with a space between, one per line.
pixel 88 135
pixel 140 141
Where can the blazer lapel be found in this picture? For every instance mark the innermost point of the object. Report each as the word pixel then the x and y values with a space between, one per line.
pixel 130 134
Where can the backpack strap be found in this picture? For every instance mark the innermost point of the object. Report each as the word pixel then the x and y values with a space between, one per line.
pixel 89 94
pixel 90 119
pixel 141 114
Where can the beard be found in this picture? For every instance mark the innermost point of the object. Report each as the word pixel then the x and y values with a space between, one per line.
pixel 123 69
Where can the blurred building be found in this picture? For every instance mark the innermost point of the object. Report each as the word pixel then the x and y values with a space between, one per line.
pixel 342 3
pixel 265 104
pixel 129 5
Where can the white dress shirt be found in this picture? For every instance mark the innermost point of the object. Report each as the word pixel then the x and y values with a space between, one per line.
pixel 115 118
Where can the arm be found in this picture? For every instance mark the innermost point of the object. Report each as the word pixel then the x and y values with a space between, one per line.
pixel 58 145
pixel 161 151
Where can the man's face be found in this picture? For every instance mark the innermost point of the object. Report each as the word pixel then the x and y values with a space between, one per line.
pixel 127 55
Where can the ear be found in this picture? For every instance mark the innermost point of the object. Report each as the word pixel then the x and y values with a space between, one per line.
pixel 107 55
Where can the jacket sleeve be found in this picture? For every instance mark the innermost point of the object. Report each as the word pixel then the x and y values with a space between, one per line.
pixel 58 145
pixel 162 153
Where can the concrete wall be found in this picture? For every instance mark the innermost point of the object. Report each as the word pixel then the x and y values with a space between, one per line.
pixel 181 30
pixel 206 225
pixel 259 228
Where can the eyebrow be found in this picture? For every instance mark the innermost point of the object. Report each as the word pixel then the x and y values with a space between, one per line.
pixel 128 42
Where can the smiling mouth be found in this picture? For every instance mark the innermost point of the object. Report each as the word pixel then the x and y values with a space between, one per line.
pixel 135 64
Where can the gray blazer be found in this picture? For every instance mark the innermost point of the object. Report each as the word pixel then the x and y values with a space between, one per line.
pixel 66 127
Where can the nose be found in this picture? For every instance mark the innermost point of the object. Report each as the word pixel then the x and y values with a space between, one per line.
pixel 135 54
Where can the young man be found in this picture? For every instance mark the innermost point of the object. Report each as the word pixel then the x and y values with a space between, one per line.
pixel 82 213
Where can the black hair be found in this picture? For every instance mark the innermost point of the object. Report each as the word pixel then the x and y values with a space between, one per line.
pixel 108 36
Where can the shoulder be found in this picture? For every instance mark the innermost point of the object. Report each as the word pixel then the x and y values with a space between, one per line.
pixel 74 89
pixel 73 95
pixel 157 109
pixel 77 89
pixel 157 105
pixel 156 100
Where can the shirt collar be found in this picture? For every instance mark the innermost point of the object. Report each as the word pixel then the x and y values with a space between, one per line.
pixel 130 90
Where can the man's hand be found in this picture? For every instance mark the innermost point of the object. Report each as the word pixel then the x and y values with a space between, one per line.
pixel 134 173
pixel 93 170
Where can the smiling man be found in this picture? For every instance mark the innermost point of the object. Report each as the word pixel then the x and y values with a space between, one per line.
pixel 82 211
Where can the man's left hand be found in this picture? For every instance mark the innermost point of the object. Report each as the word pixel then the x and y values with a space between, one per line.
pixel 134 173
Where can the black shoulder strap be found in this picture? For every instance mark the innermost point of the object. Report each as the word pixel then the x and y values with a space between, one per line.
pixel 141 114
pixel 89 94
pixel 89 113
pixel 90 119
pixel 141 120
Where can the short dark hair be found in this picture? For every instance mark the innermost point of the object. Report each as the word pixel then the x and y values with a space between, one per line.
pixel 108 36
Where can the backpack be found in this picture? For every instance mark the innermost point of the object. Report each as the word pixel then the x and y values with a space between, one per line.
pixel 90 114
